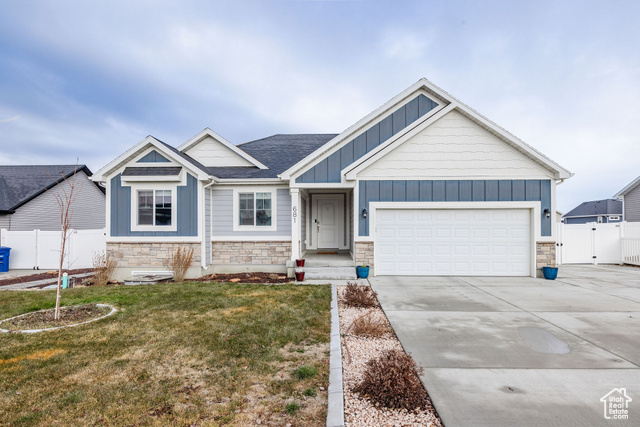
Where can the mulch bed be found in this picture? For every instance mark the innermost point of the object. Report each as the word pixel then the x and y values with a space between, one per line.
pixel 245 278
pixel 53 275
pixel 44 319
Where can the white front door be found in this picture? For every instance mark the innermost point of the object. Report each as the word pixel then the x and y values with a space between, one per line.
pixel 329 221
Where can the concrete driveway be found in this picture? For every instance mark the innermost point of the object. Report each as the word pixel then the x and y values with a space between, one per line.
pixel 522 351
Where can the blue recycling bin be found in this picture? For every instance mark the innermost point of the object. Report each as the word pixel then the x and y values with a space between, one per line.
pixel 4 258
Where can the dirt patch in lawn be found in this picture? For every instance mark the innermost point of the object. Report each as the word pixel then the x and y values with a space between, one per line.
pixel 244 278
pixel 53 275
pixel 45 319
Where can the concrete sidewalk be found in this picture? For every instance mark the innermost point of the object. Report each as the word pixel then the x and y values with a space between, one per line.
pixel 522 351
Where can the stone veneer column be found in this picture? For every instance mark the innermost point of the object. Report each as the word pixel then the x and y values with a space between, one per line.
pixel 545 255
pixel 364 253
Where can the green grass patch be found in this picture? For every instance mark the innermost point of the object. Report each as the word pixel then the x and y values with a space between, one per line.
pixel 292 408
pixel 178 354
pixel 305 371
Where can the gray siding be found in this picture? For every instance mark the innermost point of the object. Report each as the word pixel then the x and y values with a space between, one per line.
pixel 632 205
pixel 222 224
pixel 328 170
pixel 43 213
pixel 186 210
pixel 153 157
pixel 455 191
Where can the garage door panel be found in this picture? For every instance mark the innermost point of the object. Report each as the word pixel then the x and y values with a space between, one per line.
pixel 453 242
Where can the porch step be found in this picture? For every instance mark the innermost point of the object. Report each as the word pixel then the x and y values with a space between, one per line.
pixel 328 273
pixel 329 262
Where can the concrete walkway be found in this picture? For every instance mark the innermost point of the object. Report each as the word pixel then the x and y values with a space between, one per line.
pixel 522 351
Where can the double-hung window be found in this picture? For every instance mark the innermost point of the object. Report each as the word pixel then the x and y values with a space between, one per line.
pixel 154 208
pixel 255 209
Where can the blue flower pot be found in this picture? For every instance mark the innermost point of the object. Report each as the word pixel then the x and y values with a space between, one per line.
pixel 362 271
pixel 550 273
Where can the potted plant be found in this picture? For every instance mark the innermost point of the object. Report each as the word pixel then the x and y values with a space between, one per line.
pixel 362 271
pixel 299 276
pixel 550 273
pixel 299 263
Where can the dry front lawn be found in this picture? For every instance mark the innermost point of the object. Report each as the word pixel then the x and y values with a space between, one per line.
pixel 175 354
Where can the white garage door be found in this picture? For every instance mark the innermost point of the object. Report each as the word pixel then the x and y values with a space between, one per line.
pixel 474 242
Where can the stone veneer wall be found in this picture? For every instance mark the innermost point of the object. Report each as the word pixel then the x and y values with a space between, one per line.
pixel 364 253
pixel 148 254
pixel 257 253
pixel 545 254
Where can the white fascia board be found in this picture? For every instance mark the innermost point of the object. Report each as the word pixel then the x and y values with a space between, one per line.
pixel 360 124
pixel 250 181
pixel 397 140
pixel 134 151
pixel 628 188
pixel 208 132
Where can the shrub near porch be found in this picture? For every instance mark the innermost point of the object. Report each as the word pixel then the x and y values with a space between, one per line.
pixel 192 353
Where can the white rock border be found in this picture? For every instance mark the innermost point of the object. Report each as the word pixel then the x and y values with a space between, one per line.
pixel 33 331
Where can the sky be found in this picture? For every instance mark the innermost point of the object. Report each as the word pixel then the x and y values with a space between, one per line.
pixel 88 80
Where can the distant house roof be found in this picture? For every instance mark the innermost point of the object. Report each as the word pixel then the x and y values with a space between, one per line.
pixel 596 208
pixel 19 184
pixel 277 152
pixel 628 188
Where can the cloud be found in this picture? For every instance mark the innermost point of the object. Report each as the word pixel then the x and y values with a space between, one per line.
pixel 10 119
pixel 403 45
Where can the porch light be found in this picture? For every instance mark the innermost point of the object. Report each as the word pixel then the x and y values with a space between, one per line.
pixel 364 213
pixel 547 213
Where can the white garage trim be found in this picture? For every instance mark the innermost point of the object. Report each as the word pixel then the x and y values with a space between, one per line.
pixel 533 207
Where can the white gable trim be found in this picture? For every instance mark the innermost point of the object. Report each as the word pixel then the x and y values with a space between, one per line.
pixel 620 194
pixel 444 98
pixel 138 151
pixel 206 132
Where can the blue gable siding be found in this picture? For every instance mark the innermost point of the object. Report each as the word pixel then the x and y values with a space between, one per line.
pixel 186 210
pixel 153 157
pixel 456 191
pixel 328 170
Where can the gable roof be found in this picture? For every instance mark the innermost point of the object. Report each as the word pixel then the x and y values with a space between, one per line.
pixel 277 152
pixel 448 104
pixel 628 188
pixel 209 133
pixel 20 184
pixel 163 148
pixel 596 208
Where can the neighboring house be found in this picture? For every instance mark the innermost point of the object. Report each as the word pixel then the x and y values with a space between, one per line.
pixel 600 211
pixel 28 202
pixel 630 196
pixel 423 185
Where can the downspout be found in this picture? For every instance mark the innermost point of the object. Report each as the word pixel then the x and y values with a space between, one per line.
pixel 203 250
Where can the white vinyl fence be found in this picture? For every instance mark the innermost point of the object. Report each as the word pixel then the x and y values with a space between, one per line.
pixel 41 249
pixel 593 243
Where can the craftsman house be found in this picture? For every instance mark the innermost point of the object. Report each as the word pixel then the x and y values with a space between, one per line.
pixel 423 185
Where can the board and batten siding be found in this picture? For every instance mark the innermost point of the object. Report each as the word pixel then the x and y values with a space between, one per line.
pixel 454 147
pixel 328 170
pixel 211 153
pixel 222 224
pixel 632 205
pixel 186 210
pixel 43 213
pixel 455 191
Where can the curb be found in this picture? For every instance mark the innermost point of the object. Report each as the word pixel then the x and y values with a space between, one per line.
pixel 335 405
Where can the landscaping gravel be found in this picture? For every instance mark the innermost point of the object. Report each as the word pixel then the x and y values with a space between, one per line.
pixel 356 352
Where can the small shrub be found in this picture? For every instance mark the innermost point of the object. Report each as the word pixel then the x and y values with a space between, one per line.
pixel 292 408
pixel 179 262
pixel 103 267
pixel 360 296
pixel 393 381
pixel 305 371
pixel 369 326
pixel 310 392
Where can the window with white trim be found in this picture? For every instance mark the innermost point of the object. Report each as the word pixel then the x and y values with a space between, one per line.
pixel 154 208
pixel 255 209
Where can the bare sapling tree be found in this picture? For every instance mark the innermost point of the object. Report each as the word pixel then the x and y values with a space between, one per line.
pixel 67 191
